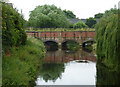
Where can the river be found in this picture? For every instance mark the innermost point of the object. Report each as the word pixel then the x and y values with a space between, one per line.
pixel 68 68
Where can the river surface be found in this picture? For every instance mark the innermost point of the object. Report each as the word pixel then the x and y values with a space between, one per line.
pixel 68 68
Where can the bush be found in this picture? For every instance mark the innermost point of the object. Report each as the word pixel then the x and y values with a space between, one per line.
pixel 90 22
pixel 80 24
pixel 13 33
pixel 20 68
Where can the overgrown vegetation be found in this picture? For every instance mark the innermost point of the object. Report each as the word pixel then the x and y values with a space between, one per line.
pixel 59 29
pixel 20 68
pixel 13 33
pixel 21 57
pixel 108 39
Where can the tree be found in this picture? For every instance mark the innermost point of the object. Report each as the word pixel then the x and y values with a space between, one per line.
pixel 108 39
pixel 69 14
pixel 99 15
pixel 91 22
pixel 80 24
pixel 48 16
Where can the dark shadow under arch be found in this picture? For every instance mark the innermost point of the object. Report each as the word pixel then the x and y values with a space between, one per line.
pixel 88 43
pixel 51 45
pixel 64 44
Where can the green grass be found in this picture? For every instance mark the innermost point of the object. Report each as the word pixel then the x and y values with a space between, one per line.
pixel 20 68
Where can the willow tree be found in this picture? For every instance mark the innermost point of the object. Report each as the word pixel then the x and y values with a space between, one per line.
pixel 108 39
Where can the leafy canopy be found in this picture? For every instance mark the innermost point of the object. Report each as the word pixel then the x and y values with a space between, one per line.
pixel 91 22
pixel 80 24
pixel 48 16
pixel 99 15
pixel 108 39
pixel 69 14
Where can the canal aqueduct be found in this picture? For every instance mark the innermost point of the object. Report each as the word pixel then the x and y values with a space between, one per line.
pixel 60 37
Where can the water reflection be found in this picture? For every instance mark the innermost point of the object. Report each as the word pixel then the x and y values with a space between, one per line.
pixel 67 56
pixel 63 68
pixel 51 71
pixel 107 76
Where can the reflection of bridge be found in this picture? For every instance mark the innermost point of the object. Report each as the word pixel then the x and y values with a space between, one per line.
pixel 62 36
pixel 62 56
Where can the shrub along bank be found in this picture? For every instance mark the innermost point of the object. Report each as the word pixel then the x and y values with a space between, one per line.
pixel 13 33
pixel 20 68
pixel 21 57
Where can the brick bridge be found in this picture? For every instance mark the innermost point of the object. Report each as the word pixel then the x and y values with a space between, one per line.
pixel 63 36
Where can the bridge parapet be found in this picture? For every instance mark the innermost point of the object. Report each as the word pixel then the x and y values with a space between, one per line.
pixel 60 36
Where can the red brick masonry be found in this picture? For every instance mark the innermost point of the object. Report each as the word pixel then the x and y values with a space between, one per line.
pixel 63 34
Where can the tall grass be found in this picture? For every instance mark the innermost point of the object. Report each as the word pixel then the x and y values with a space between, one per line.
pixel 20 68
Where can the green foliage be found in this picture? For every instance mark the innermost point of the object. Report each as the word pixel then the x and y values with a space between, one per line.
pixel 108 39
pixel 69 14
pixel 110 12
pixel 59 29
pixel 91 22
pixel 48 16
pixel 99 15
pixel 20 68
pixel 12 27
pixel 80 24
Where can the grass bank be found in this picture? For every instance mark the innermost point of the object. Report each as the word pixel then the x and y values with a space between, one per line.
pixel 21 66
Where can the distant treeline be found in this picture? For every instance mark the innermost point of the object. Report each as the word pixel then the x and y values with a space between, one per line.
pixel 49 16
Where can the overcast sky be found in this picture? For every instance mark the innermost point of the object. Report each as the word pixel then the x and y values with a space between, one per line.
pixel 81 8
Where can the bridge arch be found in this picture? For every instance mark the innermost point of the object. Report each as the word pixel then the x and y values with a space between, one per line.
pixel 88 42
pixel 65 42
pixel 51 45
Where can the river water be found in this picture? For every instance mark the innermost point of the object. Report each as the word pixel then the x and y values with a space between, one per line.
pixel 68 68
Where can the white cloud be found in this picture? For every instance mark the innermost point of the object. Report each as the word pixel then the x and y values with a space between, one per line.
pixel 81 8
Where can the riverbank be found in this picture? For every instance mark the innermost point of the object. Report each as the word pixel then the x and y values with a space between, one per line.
pixel 20 67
